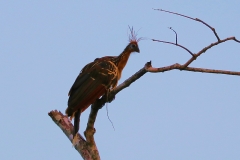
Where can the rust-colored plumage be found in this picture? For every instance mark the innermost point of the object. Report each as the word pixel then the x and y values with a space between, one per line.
pixel 96 78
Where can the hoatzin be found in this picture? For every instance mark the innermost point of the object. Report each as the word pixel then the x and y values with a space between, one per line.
pixel 96 79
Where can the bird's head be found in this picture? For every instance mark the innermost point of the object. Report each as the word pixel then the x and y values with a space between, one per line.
pixel 133 47
pixel 133 41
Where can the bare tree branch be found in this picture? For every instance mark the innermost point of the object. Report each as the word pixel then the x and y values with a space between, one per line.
pixel 194 56
pixel 66 126
pixel 193 69
pixel 90 131
pixel 195 19
pixel 205 49
pixel 175 45
pixel 87 148
pixel 131 79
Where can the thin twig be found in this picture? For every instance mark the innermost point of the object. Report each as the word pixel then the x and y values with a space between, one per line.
pixel 109 117
pixel 236 40
pixel 175 33
pixel 175 45
pixel 195 19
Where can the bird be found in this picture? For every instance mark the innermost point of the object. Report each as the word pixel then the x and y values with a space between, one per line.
pixel 96 79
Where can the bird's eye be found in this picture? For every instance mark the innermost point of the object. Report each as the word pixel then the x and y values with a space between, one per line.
pixel 133 45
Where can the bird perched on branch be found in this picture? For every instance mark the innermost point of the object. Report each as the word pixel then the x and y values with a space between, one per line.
pixel 96 79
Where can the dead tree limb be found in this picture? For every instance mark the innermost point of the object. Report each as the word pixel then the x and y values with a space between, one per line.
pixel 87 148
pixel 66 126
pixel 194 56
pixel 195 19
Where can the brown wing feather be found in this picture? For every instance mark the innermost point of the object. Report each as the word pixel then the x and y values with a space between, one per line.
pixel 93 82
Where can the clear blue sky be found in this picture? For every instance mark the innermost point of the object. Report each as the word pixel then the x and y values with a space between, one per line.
pixel 172 115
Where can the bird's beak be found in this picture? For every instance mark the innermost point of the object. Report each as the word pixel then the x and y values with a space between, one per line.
pixel 137 50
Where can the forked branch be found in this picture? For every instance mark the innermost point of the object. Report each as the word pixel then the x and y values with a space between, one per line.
pixel 66 126
pixel 194 56
pixel 87 148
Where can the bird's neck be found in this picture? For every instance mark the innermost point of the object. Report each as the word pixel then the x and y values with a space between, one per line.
pixel 122 61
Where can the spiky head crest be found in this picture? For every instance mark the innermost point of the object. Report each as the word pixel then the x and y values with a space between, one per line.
pixel 133 36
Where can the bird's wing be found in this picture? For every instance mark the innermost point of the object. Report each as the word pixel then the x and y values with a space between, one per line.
pixel 83 76
pixel 93 82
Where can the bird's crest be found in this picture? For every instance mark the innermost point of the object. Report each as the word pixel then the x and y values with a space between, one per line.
pixel 133 36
